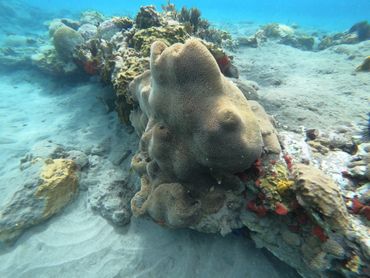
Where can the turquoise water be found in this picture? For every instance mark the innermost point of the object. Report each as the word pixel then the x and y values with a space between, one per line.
pixel 329 14
pixel 55 105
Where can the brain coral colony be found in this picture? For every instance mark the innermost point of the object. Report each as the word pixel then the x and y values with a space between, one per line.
pixel 209 159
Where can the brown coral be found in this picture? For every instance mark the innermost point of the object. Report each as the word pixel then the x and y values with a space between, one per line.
pixel 200 131
pixel 317 193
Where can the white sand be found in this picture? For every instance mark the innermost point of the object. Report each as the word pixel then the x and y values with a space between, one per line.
pixel 318 89
pixel 77 242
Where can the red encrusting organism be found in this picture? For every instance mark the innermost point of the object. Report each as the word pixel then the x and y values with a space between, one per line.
pixel 365 211
pixel 319 233
pixel 91 67
pixel 259 167
pixel 356 205
pixel 360 208
pixel 223 63
pixel 281 209
pixel 260 210
pixel 289 161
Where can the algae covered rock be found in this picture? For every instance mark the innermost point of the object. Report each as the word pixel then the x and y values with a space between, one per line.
pixel 65 39
pixel 88 31
pixel 128 65
pixel 365 66
pixel 49 185
pixel 47 60
pixel 108 28
pixel 91 17
pixel 147 17
pixel 277 31
pixel 301 42
pixel 112 200
pixel 357 33
pixel 143 39
pixel 361 29
pixel 59 185
pixel 16 50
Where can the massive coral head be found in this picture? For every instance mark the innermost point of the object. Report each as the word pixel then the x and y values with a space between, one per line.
pixel 189 62
pixel 200 130
pixel 189 88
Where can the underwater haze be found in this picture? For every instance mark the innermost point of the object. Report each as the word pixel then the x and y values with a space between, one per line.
pixel 184 139
pixel 330 14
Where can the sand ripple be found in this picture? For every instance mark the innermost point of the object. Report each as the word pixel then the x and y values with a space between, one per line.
pixel 78 243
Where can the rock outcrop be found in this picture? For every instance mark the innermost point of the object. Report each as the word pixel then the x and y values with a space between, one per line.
pixel 49 185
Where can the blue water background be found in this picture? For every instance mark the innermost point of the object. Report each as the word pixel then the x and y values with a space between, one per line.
pixel 332 15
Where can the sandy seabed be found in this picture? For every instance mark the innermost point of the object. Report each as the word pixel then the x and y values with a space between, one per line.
pixel 78 242
pixel 300 88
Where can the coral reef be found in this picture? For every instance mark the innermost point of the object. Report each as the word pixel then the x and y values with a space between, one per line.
pixel 221 169
pixel 280 33
pixel 142 40
pixel 91 17
pixel 288 35
pixel 147 17
pixel 116 49
pixel 209 157
pixel 357 33
pixel 197 26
